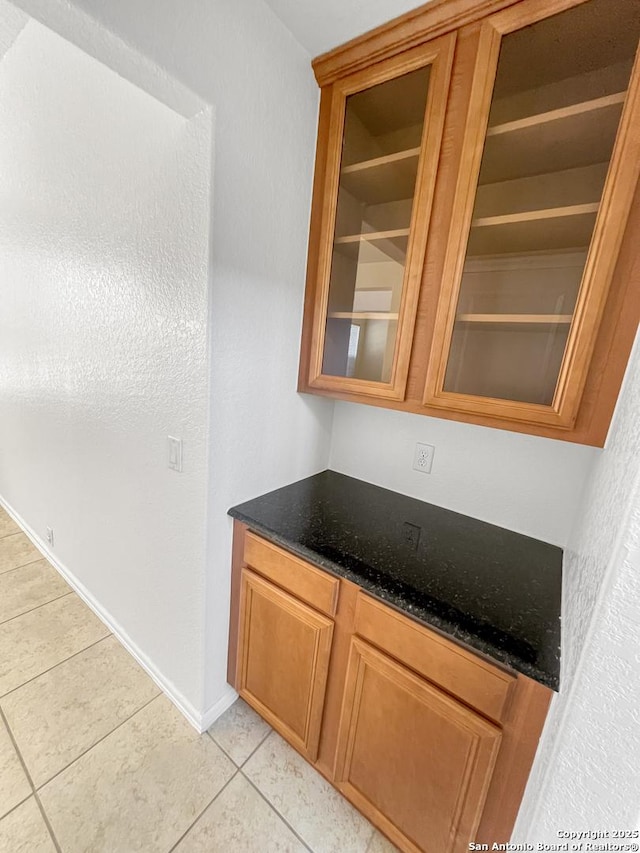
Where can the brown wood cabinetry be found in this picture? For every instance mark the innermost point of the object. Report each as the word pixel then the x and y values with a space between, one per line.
pixel 410 757
pixel 283 649
pixel 432 742
pixel 475 214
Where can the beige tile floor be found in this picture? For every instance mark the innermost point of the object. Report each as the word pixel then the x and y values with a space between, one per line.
pixel 94 759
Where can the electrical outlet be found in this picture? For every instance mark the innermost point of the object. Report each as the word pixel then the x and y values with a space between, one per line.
pixel 50 536
pixel 175 453
pixel 411 534
pixel 423 458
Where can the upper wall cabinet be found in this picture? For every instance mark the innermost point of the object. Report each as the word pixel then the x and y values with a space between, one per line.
pixel 542 197
pixel 472 251
pixel 383 147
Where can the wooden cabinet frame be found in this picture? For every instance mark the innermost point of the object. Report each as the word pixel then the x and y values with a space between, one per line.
pixel 624 170
pixel 438 54
pixel 517 709
pixel 604 335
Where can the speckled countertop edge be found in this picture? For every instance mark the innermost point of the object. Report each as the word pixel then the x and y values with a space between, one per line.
pixel 403 604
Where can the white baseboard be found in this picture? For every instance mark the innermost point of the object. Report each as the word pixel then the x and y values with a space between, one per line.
pixel 218 708
pixel 200 720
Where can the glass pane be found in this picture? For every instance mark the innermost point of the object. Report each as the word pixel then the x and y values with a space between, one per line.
pixel 381 146
pixel 554 116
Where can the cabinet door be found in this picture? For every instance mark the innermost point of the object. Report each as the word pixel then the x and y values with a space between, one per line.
pixel 550 164
pixel 365 266
pixel 283 660
pixel 413 759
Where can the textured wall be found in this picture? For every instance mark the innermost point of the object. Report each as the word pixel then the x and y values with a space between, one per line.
pixel 103 349
pixel 587 773
pixel 12 21
pixel 525 483
pixel 240 58
pixel 263 433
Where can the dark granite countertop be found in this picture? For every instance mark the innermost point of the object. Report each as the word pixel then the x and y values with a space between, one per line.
pixel 495 590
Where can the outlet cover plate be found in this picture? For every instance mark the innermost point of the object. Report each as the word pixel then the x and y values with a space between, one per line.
pixel 423 458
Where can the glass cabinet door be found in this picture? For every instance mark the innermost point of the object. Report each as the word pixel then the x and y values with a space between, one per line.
pixel 385 133
pixel 540 209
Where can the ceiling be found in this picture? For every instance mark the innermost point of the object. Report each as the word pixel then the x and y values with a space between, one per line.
pixel 320 25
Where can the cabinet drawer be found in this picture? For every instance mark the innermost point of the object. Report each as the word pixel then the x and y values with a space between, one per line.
pixel 477 683
pixel 309 584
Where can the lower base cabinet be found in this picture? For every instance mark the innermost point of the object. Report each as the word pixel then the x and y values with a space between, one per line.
pixel 284 652
pixel 411 758
pixel 432 742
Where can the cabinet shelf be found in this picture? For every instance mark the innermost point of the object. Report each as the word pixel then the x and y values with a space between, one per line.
pixel 374 246
pixel 373 235
pixel 555 319
pixel 382 179
pixel 362 315
pixel 534 215
pixel 563 113
pixel 377 162
pixel 573 136
pixel 549 229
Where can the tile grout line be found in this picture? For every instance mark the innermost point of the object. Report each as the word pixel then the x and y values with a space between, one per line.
pixel 13 533
pixel 275 809
pixel 17 806
pixel 191 826
pixel 45 671
pixel 30 781
pixel 253 751
pixel 251 754
pixel 104 737
pixel 45 818
pixel 37 607
pixel 23 565
pixel 224 751
pixel 277 812
pixel 237 769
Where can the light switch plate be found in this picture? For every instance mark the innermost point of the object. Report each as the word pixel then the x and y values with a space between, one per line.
pixel 175 453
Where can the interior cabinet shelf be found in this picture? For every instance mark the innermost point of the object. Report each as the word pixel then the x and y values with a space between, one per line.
pixel 362 315
pixel 382 179
pixel 373 235
pixel 533 215
pixel 554 229
pixel 560 139
pixel 560 319
pixel 562 114
pixel 374 246
pixel 378 162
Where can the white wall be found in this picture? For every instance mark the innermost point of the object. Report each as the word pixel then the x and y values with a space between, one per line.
pixel 241 59
pixel 103 349
pixel 525 483
pixel 12 21
pixel 587 772
pixel 263 434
